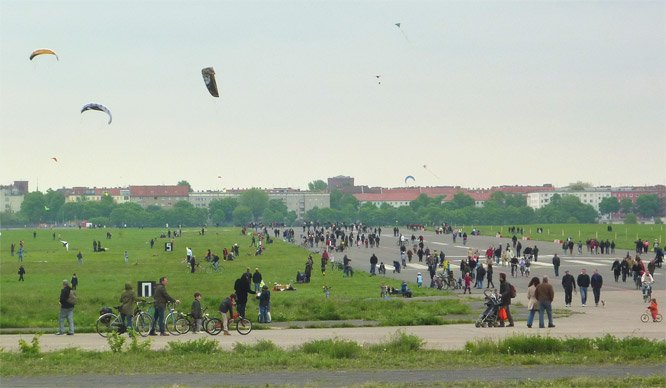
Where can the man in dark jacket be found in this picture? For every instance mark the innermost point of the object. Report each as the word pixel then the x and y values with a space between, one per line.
pixel 66 310
pixel 556 265
pixel 242 287
pixel 21 272
pixel 616 269
pixel 161 297
pixel 226 309
pixel 256 279
pixel 373 264
pixel 583 282
pixel 545 295
pixel 505 292
pixel 596 282
pixel 569 285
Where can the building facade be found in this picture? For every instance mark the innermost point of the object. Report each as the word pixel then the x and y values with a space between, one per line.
pixel 591 196
pixel 162 196
pixel 11 196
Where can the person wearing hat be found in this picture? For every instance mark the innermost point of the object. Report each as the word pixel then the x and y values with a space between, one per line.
pixel 256 279
pixel 66 309
pixel 264 304
pixel 569 285
pixel 419 279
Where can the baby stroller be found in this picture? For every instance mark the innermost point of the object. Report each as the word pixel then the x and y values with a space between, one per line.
pixel 396 266
pixel 489 318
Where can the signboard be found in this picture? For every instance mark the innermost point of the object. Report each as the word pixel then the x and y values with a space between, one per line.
pixel 168 247
pixel 145 288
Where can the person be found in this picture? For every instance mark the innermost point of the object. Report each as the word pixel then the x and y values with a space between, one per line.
pixel 196 312
pixel 647 281
pixel 21 272
pixel 256 279
pixel 383 293
pixel 596 282
pixel 264 304
pixel 569 285
pixel 505 292
pixel 127 300
pixel 347 267
pixel 419 280
pixel 532 301
pixel 242 288
pixel 20 254
pixel 80 257
pixel 161 297
pixel 514 266
pixel 480 274
pixel 654 309
pixel 624 267
pixel 126 257
pixel 616 269
pixel 152 243
pixel 193 263
pixel 66 309
pixel 468 282
pixel 226 309
pixel 373 263
pixel 556 265
pixel 11 247
pixel 75 281
pixel 216 263
pixel 583 282
pixel 489 275
pixel 382 268
pixel 94 246
pixel 545 295
pixel 535 252
pixel 308 268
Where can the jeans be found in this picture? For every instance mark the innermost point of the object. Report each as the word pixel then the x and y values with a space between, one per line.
pixel 597 294
pixel 126 320
pixel 583 295
pixel 372 268
pixel 263 314
pixel 568 295
pixel 349 271
pixel 158 319
pixel 530 318
pixel 217 266
pixel 257 287
pixel 557 270
pixel 549 309
pixel 66 313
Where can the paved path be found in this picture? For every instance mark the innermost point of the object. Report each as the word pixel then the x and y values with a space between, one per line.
pixel 335 378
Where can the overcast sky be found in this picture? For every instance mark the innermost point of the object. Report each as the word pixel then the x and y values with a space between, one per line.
pixel 483 93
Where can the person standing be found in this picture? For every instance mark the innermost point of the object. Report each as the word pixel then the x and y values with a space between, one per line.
pixel 264 304
pixel 556 265
pixel 532 301
pixel 596 282
pixel 569 285
pixel 545 295
pixel 624 268
pixel 21 272
pixel 468 283
pixel 242 288
pixel 505 292
pixel 373 264
pixel 256 279
pixel 20 253
pixel 127 304
pixel 161 298
pixel 489 275
pixel 75 281
pixel 535 252
pixel 480 275
pixel 196 312
pixel 66 309
pixel 308 268
pixel 193 263
pixel 80 257
pixel 583 282
pixel 126 257
pixel 11 247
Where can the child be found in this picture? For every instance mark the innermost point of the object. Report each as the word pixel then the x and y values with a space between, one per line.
pixel 419 280
pixel 383 294
pixel 653 309
pixel 264 304
pixel 468 283
pixel 196 312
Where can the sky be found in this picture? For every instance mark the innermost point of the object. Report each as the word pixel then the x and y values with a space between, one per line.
pixel 482 93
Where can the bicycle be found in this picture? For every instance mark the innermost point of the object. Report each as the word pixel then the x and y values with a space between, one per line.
pixel 645 317
pixel 171 318
pixel 243 325
pixel 647 294
pixel 110 322
pixel 186 323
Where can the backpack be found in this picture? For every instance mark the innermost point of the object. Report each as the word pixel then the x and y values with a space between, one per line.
pixel 71 299
pixel 513 291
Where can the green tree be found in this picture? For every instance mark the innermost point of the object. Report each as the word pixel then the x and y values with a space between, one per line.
pixel 647 205
pixel 256 200
pixel 185 183
pixel 631 218
pixel 627 205
pixel 221 210
pixel 33 207
pixel 609 205
pixel 54 201
pixel 462 200
pixel 242 215
pixel 498 197
pixel 317 185
pixel 347 200
pixel 517 200
pixel 579 186
pixel 336 196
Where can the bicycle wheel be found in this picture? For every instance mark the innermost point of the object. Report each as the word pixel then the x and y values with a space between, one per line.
pixel 143 323
pixel 243 326
pixel 213 326
pixel 659 317
pixel 170 322
pixel 183 325
pixel 645 318
pixel 108 323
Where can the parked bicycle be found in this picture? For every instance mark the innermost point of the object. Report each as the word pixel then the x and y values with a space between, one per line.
pixel 109 322
pixel 187 323
pixel 171 318
pixel 243 325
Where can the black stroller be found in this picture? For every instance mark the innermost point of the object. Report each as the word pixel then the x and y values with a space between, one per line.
pixel 396 266
pixel 490 317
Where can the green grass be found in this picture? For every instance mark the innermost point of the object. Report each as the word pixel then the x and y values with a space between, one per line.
pixel 624 235
pixel 401 351
pixel 102 277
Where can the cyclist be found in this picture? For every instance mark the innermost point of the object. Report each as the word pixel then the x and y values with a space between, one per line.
pixel 226 308
pixel 647 281
pixel 128 299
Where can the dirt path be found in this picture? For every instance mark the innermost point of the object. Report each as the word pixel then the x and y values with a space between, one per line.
pixel 335 378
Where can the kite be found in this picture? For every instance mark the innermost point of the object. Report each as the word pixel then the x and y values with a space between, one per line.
pixel 433 174
pixel 46 208
pixel 65 244
pixel 98 107
pixel 219 177
pixel 209 79
pixel 378 81
pixel 403 32
pixel 55 159
pixel 43 51
pixel 409 177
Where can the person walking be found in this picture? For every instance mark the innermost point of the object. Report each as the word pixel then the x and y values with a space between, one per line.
pixel 556 265
pixel 624 267
pixel 545 295
pixel 373 264
pixel 80 257
pixel 256 279
pixel 127 305
pixel 67 301
pixel 21 272
pixel 75 281
pixel 532 302
pixel 20 253
pixel 569 285
pixel 616 269
pixel 489 275
pixel 583 282
pixel 242 288
pixel 505 292
pixel 596 282
pixel 161 298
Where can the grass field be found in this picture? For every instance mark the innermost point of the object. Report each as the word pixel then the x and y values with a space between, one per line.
pixel 102 277
pixel 623 235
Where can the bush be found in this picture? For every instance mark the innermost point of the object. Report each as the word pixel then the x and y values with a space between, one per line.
pixel 30 350
pixel 116 342
pixel 333 348
pixel 261 346
pixel 202 345
pixel 401 342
